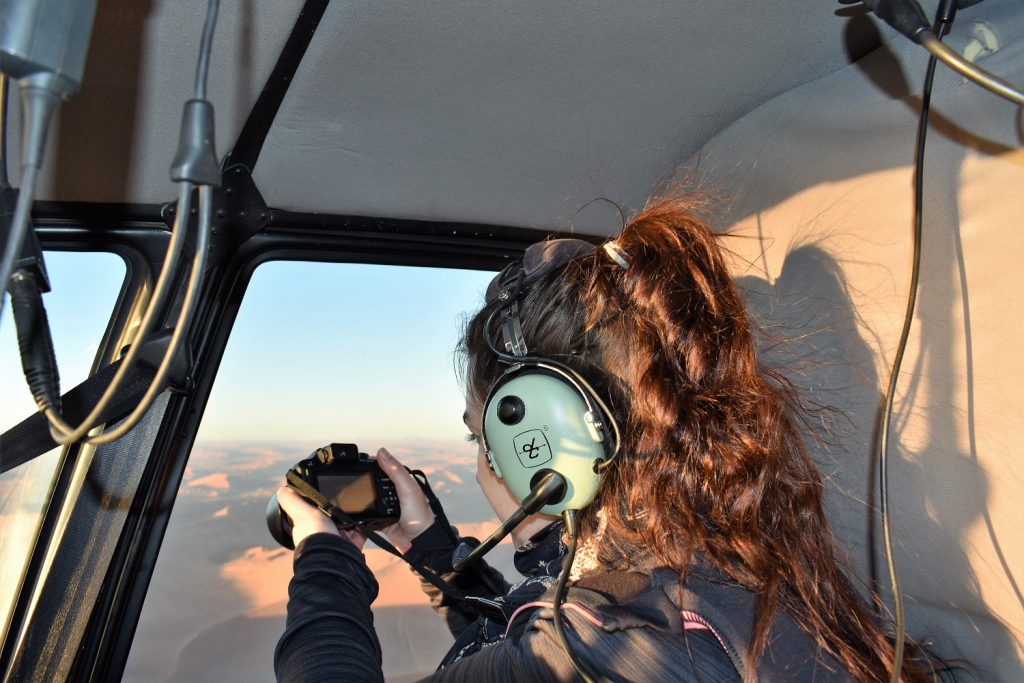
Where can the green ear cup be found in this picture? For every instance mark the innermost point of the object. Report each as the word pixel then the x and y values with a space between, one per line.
pixel 537 421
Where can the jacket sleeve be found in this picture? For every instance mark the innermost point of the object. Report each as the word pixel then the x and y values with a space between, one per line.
pixel 433 549
pixel 329 627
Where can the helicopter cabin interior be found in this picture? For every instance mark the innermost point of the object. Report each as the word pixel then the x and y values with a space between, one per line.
pixel 373 165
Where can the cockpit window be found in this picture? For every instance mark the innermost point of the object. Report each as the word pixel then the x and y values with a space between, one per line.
pixel 319 353
pixel 85 286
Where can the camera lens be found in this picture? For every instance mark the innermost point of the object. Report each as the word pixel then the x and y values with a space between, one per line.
pixel 279 524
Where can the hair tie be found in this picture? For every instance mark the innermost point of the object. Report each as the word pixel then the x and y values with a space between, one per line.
pixel 616 253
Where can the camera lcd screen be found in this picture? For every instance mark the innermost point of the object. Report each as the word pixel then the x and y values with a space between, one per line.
pixel 354 493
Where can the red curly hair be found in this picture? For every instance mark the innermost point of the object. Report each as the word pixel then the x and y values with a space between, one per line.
pixel 712 460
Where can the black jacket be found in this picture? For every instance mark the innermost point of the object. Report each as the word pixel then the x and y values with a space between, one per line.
pixel 623 626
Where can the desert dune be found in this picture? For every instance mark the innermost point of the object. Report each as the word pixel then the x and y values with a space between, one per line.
pixel 217 601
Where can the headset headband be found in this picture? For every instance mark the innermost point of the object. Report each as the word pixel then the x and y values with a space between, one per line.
pixel 538 260
pixel 511 284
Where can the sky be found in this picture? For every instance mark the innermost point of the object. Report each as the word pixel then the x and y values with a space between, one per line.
pixel 318 351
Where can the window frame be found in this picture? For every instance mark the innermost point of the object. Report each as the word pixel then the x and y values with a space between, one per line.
pixel 254 271
pixel 106 642
pixel 56 487
pixel 141 250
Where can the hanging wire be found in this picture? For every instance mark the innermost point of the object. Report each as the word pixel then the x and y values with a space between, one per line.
pixel 40 105
pixel 563 579
pixel 205 46
pixel 61 431
pixel 64 433
pixel 188 309
pixel 944 18
pixel 4 91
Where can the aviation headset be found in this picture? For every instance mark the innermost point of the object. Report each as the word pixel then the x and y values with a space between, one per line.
pixel 540 415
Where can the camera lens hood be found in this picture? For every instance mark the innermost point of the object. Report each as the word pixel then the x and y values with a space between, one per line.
pixel 279 524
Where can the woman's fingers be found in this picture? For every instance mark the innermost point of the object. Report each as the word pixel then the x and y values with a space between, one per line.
pixel 416 513
pixel 407 487
pixel 306 518
pixel 355 536
pixel 298 508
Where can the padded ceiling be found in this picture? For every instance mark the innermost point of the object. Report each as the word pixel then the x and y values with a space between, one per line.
pixel 514 113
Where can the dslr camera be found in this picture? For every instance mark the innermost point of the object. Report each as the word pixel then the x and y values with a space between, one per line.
pixel 349 480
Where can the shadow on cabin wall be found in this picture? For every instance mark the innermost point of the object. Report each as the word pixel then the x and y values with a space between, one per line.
pixel 836 155
pixel 813 338
pixel 113 71
pixel 125 89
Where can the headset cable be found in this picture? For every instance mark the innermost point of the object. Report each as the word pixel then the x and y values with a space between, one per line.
pixel 943 21
pixel 571 530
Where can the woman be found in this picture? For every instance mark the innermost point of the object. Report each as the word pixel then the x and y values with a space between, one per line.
pixel 705 555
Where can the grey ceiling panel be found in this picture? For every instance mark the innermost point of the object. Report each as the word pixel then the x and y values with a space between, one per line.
pixel 522 112
pixel 516 113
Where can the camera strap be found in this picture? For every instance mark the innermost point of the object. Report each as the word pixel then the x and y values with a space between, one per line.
pixel 489 608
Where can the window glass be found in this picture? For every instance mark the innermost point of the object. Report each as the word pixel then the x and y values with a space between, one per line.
pixel 84 286
pixel 319 353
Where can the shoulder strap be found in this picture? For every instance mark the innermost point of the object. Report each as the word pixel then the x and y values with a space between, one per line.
pixel 31 437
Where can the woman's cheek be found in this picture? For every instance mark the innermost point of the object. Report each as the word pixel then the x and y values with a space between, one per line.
pixel 483 468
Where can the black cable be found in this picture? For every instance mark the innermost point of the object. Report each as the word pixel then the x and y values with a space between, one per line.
pixel 563 579
pixel 907 17
pixel 943 20
pixel 205 46
pixel 34 341
pixel 5 83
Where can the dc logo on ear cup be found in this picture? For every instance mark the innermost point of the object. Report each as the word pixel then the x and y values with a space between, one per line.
pixel 533 448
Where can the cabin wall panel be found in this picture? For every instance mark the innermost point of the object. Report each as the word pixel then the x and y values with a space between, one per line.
pixel 819 188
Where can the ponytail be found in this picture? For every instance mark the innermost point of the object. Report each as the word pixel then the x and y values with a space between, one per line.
pixel 711 462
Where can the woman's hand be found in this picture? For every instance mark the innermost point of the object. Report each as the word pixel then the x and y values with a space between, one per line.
pixel 416 513
pixel 308 520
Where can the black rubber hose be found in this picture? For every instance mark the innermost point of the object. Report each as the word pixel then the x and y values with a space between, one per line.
pixel 37 357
